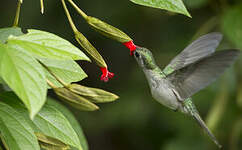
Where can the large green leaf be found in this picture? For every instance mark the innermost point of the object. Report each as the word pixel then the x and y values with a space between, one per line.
pixel 16 133
pixel 67 70
pixel 47 45
pixel 49 121
pixel 170 5
pixel 232 25
pixel 25 76
pixel 76 126
pixel 6 32
pixel 53 123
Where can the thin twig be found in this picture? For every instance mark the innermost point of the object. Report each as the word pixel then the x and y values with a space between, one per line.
pixel 51 84
pixel 69 17
pixel 57 78
pixel 78 9
pixel 16 19
pixel 42 6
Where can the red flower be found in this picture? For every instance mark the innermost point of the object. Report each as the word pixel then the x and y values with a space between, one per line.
pixel 131 46
pixel 106 75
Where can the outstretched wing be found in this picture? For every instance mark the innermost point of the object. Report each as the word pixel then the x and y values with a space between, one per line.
pixel 189 80
pixel 202 47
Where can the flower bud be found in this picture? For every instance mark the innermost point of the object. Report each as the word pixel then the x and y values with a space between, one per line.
pixel 108 30
pixel 47 146
pixel 49 141
pixel 75 100
pixel 93 94
pixel 91 50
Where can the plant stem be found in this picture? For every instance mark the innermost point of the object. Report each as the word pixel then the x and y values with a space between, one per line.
pixel 51 84
pixel 16 20
pixel 78 9
pixel 57 78
pixel 69 17
pixel 4 143
pixel 42 6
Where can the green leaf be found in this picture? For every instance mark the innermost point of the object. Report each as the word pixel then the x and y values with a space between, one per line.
pixel 25 76
pixel 170 5
pixel 232 25
pixel 75 124
pixel 6 32
pixel 53 123
pixel 67 70
pixel 49 121
pixel 15 132
pixel 47 45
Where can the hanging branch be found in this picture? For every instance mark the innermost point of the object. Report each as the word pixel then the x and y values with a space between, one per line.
pixel 16 20
pixel 42 6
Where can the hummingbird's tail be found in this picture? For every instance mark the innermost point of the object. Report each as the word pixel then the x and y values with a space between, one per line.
pixel 202 124
pixel 191 109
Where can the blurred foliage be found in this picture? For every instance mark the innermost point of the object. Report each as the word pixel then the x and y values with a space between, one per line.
pixel 136 121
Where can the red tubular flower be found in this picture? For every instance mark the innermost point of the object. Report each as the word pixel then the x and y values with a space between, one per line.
pixel 131 46
pixel 106 75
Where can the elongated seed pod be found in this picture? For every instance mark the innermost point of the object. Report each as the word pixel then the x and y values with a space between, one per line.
pixel 108 30
pixel 47 146
pixel 91 50
pixel 75 100
pixel 50 141
pixel 93 94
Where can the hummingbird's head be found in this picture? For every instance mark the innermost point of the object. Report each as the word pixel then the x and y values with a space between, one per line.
pixel 144 58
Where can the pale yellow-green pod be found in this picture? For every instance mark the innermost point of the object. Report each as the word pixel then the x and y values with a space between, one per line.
pixel 91 50
pixel 75 100
pixel 93 94
pixel 108 30
pixel 51 142
pixel 47 146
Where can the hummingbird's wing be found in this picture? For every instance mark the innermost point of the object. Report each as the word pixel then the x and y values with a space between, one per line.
pixel 202 47
pixel 189 80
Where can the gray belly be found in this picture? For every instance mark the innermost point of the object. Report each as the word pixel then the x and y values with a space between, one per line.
pixel 165 96
pixel 162 91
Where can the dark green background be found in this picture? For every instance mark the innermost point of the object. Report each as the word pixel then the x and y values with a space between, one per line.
pixel 136 121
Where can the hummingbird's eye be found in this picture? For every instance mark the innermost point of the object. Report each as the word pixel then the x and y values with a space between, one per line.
pixel 137 54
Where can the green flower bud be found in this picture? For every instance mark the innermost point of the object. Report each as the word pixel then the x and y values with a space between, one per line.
pixel 47 146
pixel 93 94
pixel 108 30
pixel 91 50
pixel 49 141
pixel 75 100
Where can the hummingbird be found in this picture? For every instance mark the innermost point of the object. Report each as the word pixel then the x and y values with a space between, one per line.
pixel 194 68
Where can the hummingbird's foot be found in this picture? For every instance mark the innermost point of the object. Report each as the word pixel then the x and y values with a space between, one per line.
pixel 106 75
pixel 131 46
